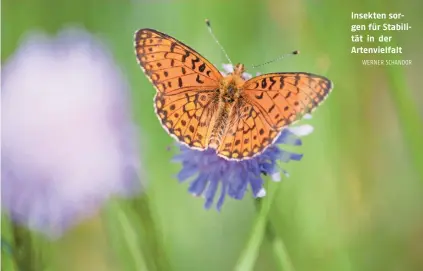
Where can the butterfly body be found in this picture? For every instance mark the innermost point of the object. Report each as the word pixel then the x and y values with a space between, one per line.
pixel 230 99
pixel 204 109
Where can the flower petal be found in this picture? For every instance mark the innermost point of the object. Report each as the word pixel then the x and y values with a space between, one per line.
pixel 209 194
pixel 302 130
pixel 198 185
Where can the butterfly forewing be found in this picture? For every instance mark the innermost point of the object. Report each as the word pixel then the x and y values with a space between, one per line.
pixel 172 66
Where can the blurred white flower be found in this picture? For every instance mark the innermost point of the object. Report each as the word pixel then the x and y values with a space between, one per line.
pixel 68 143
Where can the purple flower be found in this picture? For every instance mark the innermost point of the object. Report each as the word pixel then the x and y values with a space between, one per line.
pixel 68 143
pixel 207 171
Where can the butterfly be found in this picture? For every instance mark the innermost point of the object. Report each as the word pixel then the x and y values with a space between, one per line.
pixel 202 108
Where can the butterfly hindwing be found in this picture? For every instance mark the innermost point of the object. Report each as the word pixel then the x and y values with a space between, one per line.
pixel 187 116
pixel 248 133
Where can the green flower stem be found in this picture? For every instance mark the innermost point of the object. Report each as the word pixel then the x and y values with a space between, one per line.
pixel 130 238
pixel 249 255
pixel 135 236
pixel 152 236
pixel 124 236
pixel 261 228
pixel 7 256
pixel 279 249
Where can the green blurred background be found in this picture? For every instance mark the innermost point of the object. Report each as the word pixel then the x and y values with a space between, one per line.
pixel 353 203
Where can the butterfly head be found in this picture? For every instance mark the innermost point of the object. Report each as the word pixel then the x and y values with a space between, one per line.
pixel 232 84
pixel 239 69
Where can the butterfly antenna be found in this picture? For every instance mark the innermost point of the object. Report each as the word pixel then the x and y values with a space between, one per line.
pixel 276 59
pixel 215 39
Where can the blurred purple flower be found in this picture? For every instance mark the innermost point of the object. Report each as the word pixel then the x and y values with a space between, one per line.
pixel 68 143
pixel 207 170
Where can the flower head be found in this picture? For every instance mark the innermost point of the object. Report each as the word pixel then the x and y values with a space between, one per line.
pixel 207 170
pixel 68 140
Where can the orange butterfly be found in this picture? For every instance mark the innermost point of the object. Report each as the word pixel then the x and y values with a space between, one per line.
pixel 203 109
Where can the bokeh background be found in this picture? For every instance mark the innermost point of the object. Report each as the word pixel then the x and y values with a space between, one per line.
pixel 353 203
